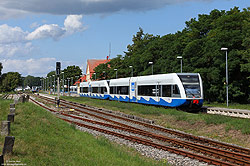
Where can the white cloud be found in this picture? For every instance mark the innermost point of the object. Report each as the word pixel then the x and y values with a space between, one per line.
pixel 46 31
pixel 11 34
pixel 12 41
pixel 15 41
pixel 38 67
pixel 73 24
pixel 9 50
pixel 66 7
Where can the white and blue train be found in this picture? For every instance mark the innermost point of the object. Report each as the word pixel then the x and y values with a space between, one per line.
pixel 182 90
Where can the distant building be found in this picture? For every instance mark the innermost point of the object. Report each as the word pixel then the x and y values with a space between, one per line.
pixel 91 64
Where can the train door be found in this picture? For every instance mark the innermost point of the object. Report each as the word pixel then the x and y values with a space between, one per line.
pixel 156 92
pixel 78 88
pixel 132 90
pixel 89 89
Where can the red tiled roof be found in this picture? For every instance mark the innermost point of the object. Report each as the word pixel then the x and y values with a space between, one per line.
pixel 95 62
pixel 92 63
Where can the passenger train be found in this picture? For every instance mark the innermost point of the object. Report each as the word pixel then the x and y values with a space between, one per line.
pixel 182 90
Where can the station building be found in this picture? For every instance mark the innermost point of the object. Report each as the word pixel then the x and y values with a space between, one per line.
pixel 91 64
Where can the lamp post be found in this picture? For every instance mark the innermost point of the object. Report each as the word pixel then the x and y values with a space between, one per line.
pixel 68 85
pixel 76 83
pixel 115 73
pixel 225 49
pixel 50 82
pixel 41 83
pixel 132 70
pixel 44 80
pixel 46 83
pixel 95 76
pixel 180 57
pixel 104 74
pixel 54 83
pixel 63 82
pixel 152 63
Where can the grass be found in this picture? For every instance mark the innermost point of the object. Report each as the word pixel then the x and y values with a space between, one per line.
pixel 230 105
pixel 43 139
pixel 152 111
pixel 195 123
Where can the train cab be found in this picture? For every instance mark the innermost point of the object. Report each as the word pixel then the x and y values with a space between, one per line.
pixel 192 84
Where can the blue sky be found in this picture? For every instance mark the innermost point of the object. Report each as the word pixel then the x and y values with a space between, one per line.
pixel 36 34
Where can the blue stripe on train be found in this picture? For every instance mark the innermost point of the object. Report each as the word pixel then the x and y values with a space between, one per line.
pixel 120 98
pixel 96 96
pixel 173 103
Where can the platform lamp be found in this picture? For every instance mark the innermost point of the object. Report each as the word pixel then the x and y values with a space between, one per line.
pixel 180 57
pixel 132 70
pixel 41 83
pixel 226 49
pixel 152 63
pixel 104 75
pixel 63 81
pixel 115 73
pixel 68 85
pixel 54 83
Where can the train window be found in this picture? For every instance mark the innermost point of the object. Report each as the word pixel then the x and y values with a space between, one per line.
pixel 94 89
pixel 111 90
pixel 175 91
pixel 122 90
pixel 170 91
pixel 103 90
pixel 192 91
pixel 83 89
pixel 166 90
pixel 189 78
pixel 148 90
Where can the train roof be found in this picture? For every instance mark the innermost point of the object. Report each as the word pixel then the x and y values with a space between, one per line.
pixel 156 75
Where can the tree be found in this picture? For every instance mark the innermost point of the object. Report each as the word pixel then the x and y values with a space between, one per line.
pixel 1 67
pixel 72 72
pixel 10 81
pixel 102 72
pixel 31 81
pixel 199 44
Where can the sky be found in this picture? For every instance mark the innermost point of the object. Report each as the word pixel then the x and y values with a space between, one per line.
pixel 35 34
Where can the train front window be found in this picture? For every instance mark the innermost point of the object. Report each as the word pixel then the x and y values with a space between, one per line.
pixel 192 91
pixel 189 78
pixel 191 85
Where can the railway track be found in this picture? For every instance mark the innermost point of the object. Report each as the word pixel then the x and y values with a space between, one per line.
pixel 232 156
